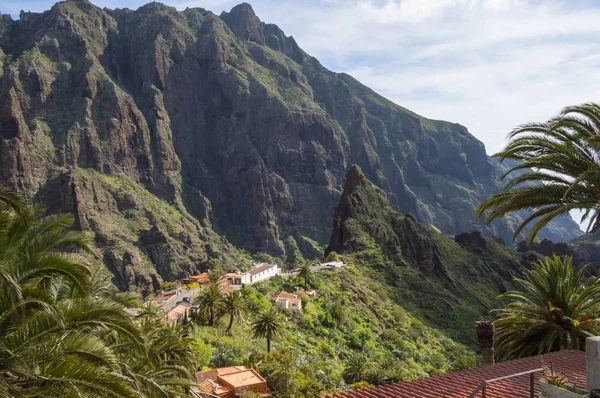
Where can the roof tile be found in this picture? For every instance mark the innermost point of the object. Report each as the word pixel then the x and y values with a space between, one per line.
pixel 462 384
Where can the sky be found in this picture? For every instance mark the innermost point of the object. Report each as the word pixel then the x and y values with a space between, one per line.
pixel 489 65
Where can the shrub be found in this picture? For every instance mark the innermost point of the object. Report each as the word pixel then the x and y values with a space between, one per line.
pixel 332 256
pixel 361 385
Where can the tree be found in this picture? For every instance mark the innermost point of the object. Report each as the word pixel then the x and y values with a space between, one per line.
pixel 384 370
pixel 267 325
pixel 216 271
pixel 338 312
pixel 306 273
pixel 49 336
pixel 464 362
pixel 556 308
pixel 357 368
pixel 556 171
pixel 235 306
pixel 169 353
pixel 64 330
pixel 332 256
pixel 485 339
pixel 280 368
pixel 210 302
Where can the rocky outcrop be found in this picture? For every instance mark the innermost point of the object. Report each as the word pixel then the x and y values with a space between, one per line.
pixel 141 239
pixel 584 250
pixel 432 273
pixel 473 241
pixel 224 118
pixel 546 247
pixel 364 217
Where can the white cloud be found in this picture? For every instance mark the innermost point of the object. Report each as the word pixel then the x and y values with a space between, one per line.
pixel 487 64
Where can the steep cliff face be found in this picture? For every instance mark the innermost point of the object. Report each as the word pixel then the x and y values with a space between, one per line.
pixel 450 283
pixel 227 120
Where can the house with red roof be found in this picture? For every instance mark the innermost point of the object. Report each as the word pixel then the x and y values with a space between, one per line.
pixel 202 279
pixel 519 378
pixel 288 301
pixel 229 382
pixel 176 315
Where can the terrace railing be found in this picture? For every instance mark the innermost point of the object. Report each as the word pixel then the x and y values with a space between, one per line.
pixel 483 386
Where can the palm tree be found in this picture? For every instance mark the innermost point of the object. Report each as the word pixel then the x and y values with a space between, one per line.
pixel 556 308
pixel 305 272
pixel 485 339
pixel 235 306
pixel 464 362
pixel 216 271
pixel 165 364
pixel 64 330
pixel 557 170
pixel 50 328
pixel 211 303
pixel 357 368
pixel 13 200
pixel 268 324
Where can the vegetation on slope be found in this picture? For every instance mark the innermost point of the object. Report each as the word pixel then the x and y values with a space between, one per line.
pixel 448 283
pixel 351 316
pixel 141 238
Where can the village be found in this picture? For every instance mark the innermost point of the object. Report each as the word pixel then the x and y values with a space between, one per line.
pixel 178 302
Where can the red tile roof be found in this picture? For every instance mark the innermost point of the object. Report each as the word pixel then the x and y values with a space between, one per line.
pixel 284 294
pixel 225 382
pixel 462 384
pixel 176 313
pixel 200 278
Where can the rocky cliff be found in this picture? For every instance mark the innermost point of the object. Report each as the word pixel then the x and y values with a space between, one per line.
pixel 451 283
pixel 225 124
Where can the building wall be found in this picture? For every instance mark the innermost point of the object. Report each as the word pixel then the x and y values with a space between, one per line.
pixel 266 274
pixel 282 304
pixel 257 388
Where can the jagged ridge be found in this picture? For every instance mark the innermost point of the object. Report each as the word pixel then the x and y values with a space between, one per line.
pixel 227 119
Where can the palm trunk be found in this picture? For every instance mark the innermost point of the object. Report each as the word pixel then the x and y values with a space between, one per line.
pixel 268 343
pixel 230 323
pixel 485 338
pixel 305 284
pixel 211 320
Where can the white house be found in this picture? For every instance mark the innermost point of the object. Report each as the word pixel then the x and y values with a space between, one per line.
pixel 259 272
pixel 236 279
pixel 263 271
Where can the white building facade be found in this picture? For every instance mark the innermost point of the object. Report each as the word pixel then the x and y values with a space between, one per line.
pixel 259 272
pixel 263 271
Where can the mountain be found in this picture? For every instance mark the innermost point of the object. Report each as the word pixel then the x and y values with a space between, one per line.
pixel 450 283
pixel 175 137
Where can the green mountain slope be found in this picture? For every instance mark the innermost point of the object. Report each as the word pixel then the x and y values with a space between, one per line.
pixel 351 315
pixel 448 283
